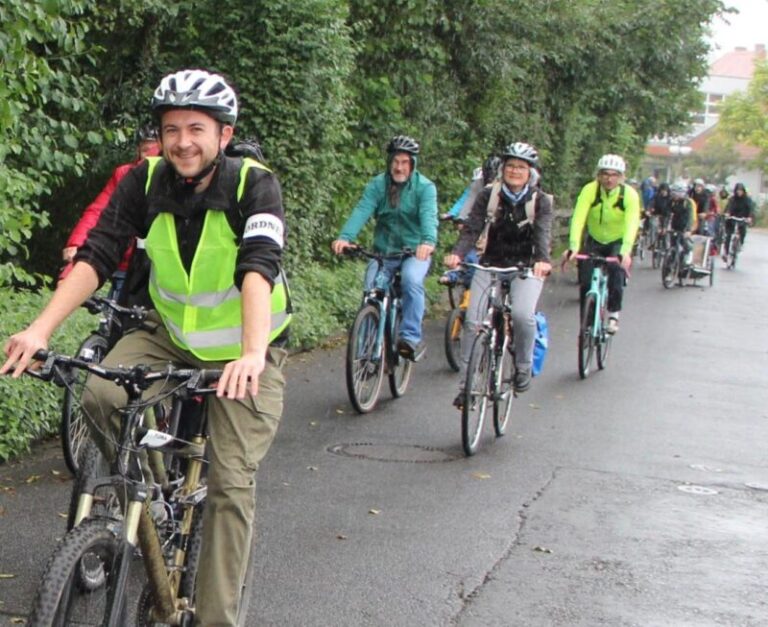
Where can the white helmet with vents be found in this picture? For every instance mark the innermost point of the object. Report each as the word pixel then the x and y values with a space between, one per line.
pixel 612 162
pixel 199 90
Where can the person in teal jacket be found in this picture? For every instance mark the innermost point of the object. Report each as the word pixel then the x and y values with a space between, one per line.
pixel 404 204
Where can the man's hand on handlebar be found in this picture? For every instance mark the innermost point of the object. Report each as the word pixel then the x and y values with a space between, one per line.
pixel 542 269
pixel 340 245
pixel 20 350
pixel 451 261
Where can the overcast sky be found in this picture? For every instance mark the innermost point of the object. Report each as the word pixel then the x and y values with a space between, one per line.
pixel 747 28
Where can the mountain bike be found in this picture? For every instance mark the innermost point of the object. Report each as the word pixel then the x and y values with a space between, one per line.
pixel 113 318
pixel 593 336
pixel 491 367
pixel 733 242
pixel 88 579
pixel 372 343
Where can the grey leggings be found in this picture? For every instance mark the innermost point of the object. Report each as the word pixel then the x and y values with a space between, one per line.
pixel 525 294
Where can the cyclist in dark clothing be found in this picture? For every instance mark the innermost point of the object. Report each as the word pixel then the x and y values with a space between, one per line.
pixel 681 218
pixel 518 233
pixel 740 205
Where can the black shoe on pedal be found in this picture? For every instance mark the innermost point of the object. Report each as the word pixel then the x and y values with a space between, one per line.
pixel 413 352
pixel 522 380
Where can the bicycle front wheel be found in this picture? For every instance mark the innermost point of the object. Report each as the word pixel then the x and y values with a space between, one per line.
pixel 476 392
pixel 453 329
pixel 505 394
pixel 669 269
pixel 365 364
pixel 62 598
pixel 74 429
pixel 586 340
pixel 604 341
pixel 399 366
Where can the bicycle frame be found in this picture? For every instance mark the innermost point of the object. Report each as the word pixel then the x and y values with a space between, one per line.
pixel 598 286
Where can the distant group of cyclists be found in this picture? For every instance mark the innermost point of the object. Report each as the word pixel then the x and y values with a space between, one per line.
pixel 210 228
pixel 697 209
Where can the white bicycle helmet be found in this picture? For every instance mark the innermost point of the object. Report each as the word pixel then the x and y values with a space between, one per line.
pixel 678 190
pixel 524 152
pixel 612 162
pixel 199 90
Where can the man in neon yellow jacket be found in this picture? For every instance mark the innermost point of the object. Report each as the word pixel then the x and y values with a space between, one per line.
pixel 610 211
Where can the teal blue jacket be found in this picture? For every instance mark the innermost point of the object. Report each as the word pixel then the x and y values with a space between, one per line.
pixel 412 222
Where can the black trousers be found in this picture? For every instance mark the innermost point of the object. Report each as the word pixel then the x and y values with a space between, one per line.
pixel 616 274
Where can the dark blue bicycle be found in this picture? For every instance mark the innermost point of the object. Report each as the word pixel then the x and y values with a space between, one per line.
pixel 372 344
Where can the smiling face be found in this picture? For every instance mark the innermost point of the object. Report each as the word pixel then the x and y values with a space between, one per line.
pixel 401 167
pixel 516 173
pixel 191 140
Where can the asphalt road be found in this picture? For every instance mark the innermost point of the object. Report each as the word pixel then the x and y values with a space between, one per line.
pixel 636 497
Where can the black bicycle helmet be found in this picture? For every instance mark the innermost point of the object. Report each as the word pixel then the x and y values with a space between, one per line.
pixel 491 168
pixel 146 133
pixel 524 152
pixel 403 143
pixel 199 90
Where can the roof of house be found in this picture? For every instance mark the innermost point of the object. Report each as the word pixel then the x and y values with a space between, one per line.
pixel 739 63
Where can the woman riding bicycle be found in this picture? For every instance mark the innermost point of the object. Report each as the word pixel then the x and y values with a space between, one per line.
pixel 518 220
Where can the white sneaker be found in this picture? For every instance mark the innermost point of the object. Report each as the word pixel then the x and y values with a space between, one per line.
pixel 613 326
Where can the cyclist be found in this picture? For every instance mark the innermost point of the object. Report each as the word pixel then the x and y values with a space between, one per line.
pixel 648 190
pixel 518 233
pixel 460 211
pixel 609 211
pixel 740 205
pixel 146 146
pixel 682 219
pixel 706 206
pixel 220 303
pixel 404 204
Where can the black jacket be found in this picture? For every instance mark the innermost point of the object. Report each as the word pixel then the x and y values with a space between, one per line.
pixel 508 243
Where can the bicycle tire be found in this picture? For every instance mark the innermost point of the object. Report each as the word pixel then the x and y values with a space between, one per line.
pixel 74 428
pixel 736 249
pixel 603 343
pixel 669 269
pixel 476 388
pixel 586 340
pixel 505 393
pixel 452 339
pixel 711 267
pixel 93 464
pixel 364 369
pixel 399 367
pixel 60 600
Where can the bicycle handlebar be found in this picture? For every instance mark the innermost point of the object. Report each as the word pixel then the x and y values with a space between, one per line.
pixel 598 258
pixel 198 381
pixel 354 251
pixel 510 269
pixel 96 304
pixel 737 219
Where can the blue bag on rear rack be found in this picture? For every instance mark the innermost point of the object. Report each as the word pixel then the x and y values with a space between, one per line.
pixel 541 343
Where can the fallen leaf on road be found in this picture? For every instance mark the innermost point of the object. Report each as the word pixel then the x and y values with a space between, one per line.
pixel 339 411
pixel 18 620
pixel 375 512
pixel 62 514
pixel 313 423
pixel 55 473
pixel 534 406
pixel 481 475
pixel 341 536
pixel 542 549
pixel 7 576
pixel 311 467
pixel 33 478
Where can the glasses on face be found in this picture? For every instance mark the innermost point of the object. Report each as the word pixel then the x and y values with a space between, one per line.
pixel 517 167
pixel 610 175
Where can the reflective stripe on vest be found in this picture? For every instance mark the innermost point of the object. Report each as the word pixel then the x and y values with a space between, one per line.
pixel 202 309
